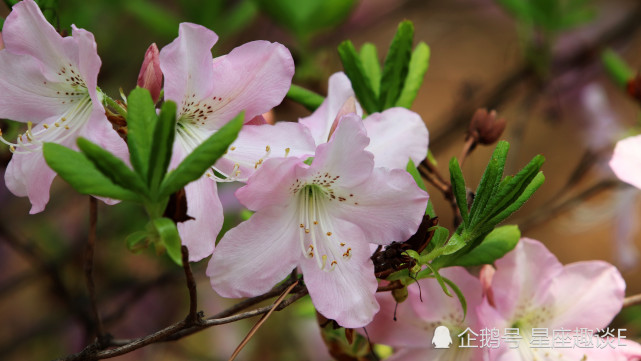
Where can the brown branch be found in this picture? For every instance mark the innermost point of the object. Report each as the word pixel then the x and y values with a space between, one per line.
pixel 193 316
pixel 88 267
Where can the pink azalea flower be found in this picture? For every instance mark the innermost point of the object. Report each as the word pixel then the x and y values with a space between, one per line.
pixel 396 135
pixel 321 218
pixel 253 77
pixel 626 160
pixel 50 81
pixel 413 335
pixel 534 292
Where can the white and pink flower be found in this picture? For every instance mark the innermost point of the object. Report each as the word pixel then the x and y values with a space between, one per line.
pixel 253 78
pixel 321 218
pixel 50 83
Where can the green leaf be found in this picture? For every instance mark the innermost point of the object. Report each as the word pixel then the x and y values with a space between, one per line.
pixel 202 158
pixel 459 190
pixel 162 144
pixel 512 187
pixel 355 71
pixel 112 167
pixel 307 98
pixel 495 245
pixel 489 181
pixel 81 173
pixel 417 69
pixel 617 68
pixel 440 280
pixel 459 295
pixel 141 120
pixel 169 238
pixel 372 66
pixel 396 65
pixel 413 171
pixel 529 190
pixel 137 241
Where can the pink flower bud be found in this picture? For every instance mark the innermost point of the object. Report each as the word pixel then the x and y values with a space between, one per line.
pixel 150 76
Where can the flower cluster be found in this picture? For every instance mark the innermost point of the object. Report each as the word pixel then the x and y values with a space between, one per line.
pixel 527 308
pixel 319 216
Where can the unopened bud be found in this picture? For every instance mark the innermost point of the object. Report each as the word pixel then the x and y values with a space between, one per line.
pixel 486 127
pixel 150 76
pixel 348 107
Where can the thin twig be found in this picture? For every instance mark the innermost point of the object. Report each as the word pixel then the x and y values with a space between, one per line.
pixel 192 317
pixel 89 255
pixel 632 301
pixel 261 321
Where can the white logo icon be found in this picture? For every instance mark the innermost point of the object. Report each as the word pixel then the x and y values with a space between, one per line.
pixel 442 338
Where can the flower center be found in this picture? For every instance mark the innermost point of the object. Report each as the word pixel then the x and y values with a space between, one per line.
pixel 317 239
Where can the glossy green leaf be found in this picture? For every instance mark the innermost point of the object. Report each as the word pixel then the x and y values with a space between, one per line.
pixel 202 158
pixel 81 173
pixel 112 167
pixel 372 66
pixel 169 238
pixel 137 241
pixel 162 144
pixel 396 65
pixel 141 120
pixel 495 245
pixel 459 190
pixel 415 74
pixel 306 98
pixel 355 71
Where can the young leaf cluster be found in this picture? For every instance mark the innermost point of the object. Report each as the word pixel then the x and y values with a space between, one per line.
pixel 150 139
pixel 398 82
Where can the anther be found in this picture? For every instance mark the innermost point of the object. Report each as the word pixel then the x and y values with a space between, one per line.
pixel 329 233
pixel 287 152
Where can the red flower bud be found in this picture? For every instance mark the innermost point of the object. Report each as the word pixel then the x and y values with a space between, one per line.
pixel 150 76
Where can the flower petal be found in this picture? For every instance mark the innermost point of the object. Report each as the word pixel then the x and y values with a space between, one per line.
pixel 396 135
pixel 187 64
pixel 346 293
pixel 397 324
pixel 436 306
pixel 320 122
pixel 523 277
pixel 252 257
pixel 253 77
pixel 25 94
pixel 388 207
pixel 626 160
pixel 26 31
pixel 601 288
pixel 29 175
pixel 203 204
pixel 257 143
pixel 88 63
pixel 343 156
pixel 272 184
